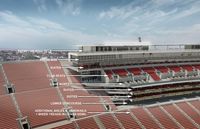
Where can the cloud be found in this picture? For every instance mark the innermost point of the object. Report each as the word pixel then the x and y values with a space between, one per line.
pixel 191 11
pixel 154 20
pixel 38 33
pixel 10 18
pixel 69 6
pixel 45 24
pixel 151 10
pixel 41 5
pixel 119 12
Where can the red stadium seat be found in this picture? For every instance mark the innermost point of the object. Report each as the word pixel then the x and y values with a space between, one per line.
pixel 109 73
pixel 120 72
pixel 189 68
pixel 135 71
pixel 151 72
pixel 175 68
pixel 162 69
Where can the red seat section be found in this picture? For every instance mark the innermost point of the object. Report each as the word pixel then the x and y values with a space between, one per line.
pixel 127 121
pixel 197 66
pixel 190 112
pixel 30 102
pixel 108 121
pixel 144 118
pixel 120 72
pixel 175 68
pixel 151 72
pixel 148 121
pixel 109 73
pixel 88 103
pixel 163 118
pixel 196 104
pixel 189 68
pixel 56 69
pixel 67 126
pixel 148 69
pixel 162 69
pixel 87 123
pixel 8 114
pixel 2 89
pixel 27 75
pixel 135 71
pixel 179 116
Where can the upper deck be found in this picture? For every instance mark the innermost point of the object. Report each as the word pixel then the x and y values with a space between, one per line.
pixel 131 54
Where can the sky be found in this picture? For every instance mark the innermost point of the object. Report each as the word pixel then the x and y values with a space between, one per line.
pixel 67 24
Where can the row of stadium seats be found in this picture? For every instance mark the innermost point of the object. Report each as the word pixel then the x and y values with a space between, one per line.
pixel 33 75
pixel 174 115
pixel 8 113
pixel 27 76
pixel 109 122
pixel 36 105
pixel 152 73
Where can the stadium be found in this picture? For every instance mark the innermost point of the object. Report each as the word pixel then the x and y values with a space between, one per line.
pixel 104 87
